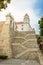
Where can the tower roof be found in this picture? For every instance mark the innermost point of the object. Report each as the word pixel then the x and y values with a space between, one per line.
pixel 26 14
pixel 9 15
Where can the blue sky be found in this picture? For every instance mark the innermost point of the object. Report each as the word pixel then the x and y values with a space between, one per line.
pixel 39 5
pixel 18 8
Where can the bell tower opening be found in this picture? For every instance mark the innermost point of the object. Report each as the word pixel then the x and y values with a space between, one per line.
pixel 26 18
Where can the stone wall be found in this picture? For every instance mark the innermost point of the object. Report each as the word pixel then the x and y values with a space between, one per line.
pixel 18 44
pixel 4 41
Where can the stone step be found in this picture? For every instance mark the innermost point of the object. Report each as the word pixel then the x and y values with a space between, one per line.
pixel 14 44
pixel 29 40
pixel 30 44
pixel 17 48
pixel 18 40
pixel 31 36
pixel 26 51
pixel 24 33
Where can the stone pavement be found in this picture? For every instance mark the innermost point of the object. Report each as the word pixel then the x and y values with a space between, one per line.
pixel 19 62
pixel 40 57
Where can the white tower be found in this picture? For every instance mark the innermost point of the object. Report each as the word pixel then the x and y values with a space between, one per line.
pixel 8 18
pixel 27 26
pixel 26 18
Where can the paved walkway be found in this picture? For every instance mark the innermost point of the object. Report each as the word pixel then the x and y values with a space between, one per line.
pixel 19 62
pixel 40 57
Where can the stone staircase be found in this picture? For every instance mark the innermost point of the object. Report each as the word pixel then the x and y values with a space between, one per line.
pixel 27 54
pixel 25 45
pixel 17 48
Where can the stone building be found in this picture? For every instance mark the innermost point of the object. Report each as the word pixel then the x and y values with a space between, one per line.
pixel 18 39
pixel 25 24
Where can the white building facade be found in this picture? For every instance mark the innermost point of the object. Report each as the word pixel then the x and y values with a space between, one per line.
pixel 24 25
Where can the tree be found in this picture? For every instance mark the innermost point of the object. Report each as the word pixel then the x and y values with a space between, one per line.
pixel 3 4
pixel 41 26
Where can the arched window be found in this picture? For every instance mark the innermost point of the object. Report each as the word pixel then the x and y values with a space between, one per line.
pixel 22 28
pixel 10 22
pixel 13 25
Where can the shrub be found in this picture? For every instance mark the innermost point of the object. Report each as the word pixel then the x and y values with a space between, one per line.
pixel 39 39
pixel 3 57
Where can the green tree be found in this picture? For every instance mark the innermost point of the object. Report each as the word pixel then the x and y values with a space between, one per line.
pixel 41 26
pixel 3 4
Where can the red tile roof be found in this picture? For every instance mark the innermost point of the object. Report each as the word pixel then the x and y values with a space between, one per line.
pixel 19 22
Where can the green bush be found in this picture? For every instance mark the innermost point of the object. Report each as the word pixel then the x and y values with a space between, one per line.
pixel 3 57
pixel 39 39
pixel 42 50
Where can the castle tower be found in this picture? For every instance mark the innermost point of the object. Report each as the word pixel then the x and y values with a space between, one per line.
pixel 10 20
pixel 26 20
pixel 25 24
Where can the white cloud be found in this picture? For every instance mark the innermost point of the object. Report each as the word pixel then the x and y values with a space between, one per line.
pixel 18 8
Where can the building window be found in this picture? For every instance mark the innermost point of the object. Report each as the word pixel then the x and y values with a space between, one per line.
pixel 11 21
pixel 22 28
pixel 13 25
